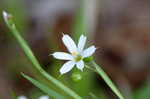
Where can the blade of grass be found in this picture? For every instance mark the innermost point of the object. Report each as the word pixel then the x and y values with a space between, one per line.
pixel 9 21
pixel 108 81
pixel 44 88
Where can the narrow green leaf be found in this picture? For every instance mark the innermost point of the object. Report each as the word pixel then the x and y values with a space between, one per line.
pixel 9 21
pixel 108 81
pixel 44 88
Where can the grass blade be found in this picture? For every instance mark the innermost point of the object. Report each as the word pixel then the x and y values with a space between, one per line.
pixel 9 21
pixel 44 88
pixel 108 81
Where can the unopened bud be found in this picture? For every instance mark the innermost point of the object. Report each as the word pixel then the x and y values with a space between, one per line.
pixel 8 18
pixel 76 76
pixel 88 59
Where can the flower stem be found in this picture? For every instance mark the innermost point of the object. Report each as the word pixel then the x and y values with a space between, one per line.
pixel 92 69
pixel 108 81
pixel 33 59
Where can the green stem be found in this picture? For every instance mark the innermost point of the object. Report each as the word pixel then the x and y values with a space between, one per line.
pixel 33 59
pixel 108 81
pixel 88 67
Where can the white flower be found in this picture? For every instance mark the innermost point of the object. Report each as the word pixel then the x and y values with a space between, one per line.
pixel 77 54
pixel 21 97
pixel 43 97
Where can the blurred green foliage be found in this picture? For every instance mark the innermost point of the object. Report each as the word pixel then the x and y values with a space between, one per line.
pixel 143 92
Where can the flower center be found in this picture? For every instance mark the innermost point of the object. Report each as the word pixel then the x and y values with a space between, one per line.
pixel 77 57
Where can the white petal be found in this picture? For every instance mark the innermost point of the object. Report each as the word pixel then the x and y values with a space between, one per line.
pixel 89 51
pixel 43 97
pixel 21 97
pixel 81 43
pixel 80 65
pixel 67 67
pixel 62 56
pixel 69 43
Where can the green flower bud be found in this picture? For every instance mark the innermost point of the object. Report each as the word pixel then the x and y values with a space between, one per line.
pixel 76 76
pixel 8 18
pixel 88 59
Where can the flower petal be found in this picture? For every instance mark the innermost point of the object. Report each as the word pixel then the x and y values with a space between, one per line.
pixel 80 65
pixel 21 97
pixel 43 97
pixel 67 67
pixel 62 56
pixel 89 51
pixel 81 43
pixel 69 43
